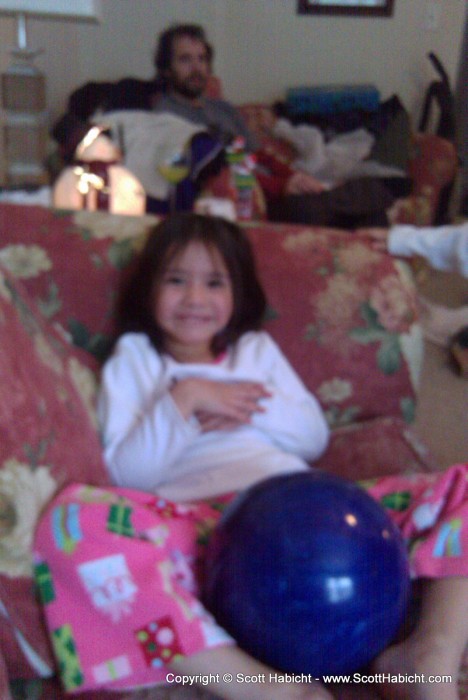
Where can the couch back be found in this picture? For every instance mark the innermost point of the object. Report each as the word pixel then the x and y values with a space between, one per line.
pixel 343 313
pixel 431 160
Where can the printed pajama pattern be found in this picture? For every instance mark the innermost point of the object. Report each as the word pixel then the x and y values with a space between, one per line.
pixel 119 570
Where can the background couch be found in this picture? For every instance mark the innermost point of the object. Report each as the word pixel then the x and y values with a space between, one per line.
pixel 429 161
pixel 343 313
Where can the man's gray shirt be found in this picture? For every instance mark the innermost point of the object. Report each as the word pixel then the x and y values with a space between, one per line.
pixel 222 120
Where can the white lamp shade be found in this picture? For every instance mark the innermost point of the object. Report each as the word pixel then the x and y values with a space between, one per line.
pixel 78 9
pixel 77 187
pixel 126 195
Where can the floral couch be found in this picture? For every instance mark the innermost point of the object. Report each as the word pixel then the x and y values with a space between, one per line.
pixel 343 313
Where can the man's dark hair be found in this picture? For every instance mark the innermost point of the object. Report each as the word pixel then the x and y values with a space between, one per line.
pixel 164 49
pixel 169 238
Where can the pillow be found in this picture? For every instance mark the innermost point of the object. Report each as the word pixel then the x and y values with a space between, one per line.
pixel 48 438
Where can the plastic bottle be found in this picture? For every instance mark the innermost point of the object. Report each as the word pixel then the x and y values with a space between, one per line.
pixel 242 166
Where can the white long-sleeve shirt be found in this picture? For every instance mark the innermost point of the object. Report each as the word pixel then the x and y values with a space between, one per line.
pixel 444 247
pixel 149 445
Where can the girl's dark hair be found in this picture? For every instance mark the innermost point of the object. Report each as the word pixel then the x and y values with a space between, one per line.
pixel 135 311
pixel 164 50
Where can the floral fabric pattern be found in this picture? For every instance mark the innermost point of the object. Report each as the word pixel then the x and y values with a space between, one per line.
pixel 335 304
pixel 25 261
pixel 71 266
pixel 346 316
pixel 23 494
pixel 47 438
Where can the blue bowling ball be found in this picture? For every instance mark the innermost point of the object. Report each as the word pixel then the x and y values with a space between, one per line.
pixel 308 574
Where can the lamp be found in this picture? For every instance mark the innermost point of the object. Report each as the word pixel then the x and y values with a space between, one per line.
pixel 23 90
pixel 97 179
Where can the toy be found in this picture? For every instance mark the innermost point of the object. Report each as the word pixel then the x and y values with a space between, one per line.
pixel 308 574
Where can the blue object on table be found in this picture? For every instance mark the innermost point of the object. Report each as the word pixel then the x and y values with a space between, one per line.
pixel 332 99
pixel 308 574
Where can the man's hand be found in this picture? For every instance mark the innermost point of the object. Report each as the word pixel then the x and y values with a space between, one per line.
pixel 303 183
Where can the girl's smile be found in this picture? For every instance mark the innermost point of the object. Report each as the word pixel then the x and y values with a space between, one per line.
pixel 193 302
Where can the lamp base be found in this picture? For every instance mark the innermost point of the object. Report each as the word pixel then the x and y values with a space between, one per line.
pixel 24 120
pixel 23 91
pixel 25 132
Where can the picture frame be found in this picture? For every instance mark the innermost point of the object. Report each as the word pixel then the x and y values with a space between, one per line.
pixel 352 8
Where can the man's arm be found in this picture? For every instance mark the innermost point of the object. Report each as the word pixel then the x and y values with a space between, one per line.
pixel 275 177
pixel 444 247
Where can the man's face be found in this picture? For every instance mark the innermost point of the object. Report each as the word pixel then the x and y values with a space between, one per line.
pixel 190 67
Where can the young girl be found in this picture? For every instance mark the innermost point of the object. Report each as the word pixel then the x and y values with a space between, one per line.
pixel 197 403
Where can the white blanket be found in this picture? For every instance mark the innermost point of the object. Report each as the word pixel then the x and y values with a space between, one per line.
pixel 147 139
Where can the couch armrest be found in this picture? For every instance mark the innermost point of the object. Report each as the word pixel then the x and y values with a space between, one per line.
pixel 432 168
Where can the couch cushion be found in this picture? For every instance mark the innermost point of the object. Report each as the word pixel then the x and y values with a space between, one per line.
pixel 71 265
pixel 374 448
pixel 48 438
pixel 346 317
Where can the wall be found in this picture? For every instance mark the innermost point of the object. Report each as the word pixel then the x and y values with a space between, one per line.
pixel 6 29
pixel 262 46
pixel 463 122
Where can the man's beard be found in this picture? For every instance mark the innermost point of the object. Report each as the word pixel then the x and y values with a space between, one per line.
pixel 190 88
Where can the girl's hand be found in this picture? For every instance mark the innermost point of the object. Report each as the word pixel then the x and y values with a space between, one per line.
pixel 212 421
pixel 232 401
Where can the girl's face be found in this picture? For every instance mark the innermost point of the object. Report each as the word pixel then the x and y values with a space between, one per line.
pixel 193 301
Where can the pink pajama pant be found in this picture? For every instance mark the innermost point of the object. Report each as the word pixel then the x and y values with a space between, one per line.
pixel 117 571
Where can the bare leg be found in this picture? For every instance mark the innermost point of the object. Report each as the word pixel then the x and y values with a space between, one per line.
pixel 434 648
pixel 230 660
pixel 440 323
